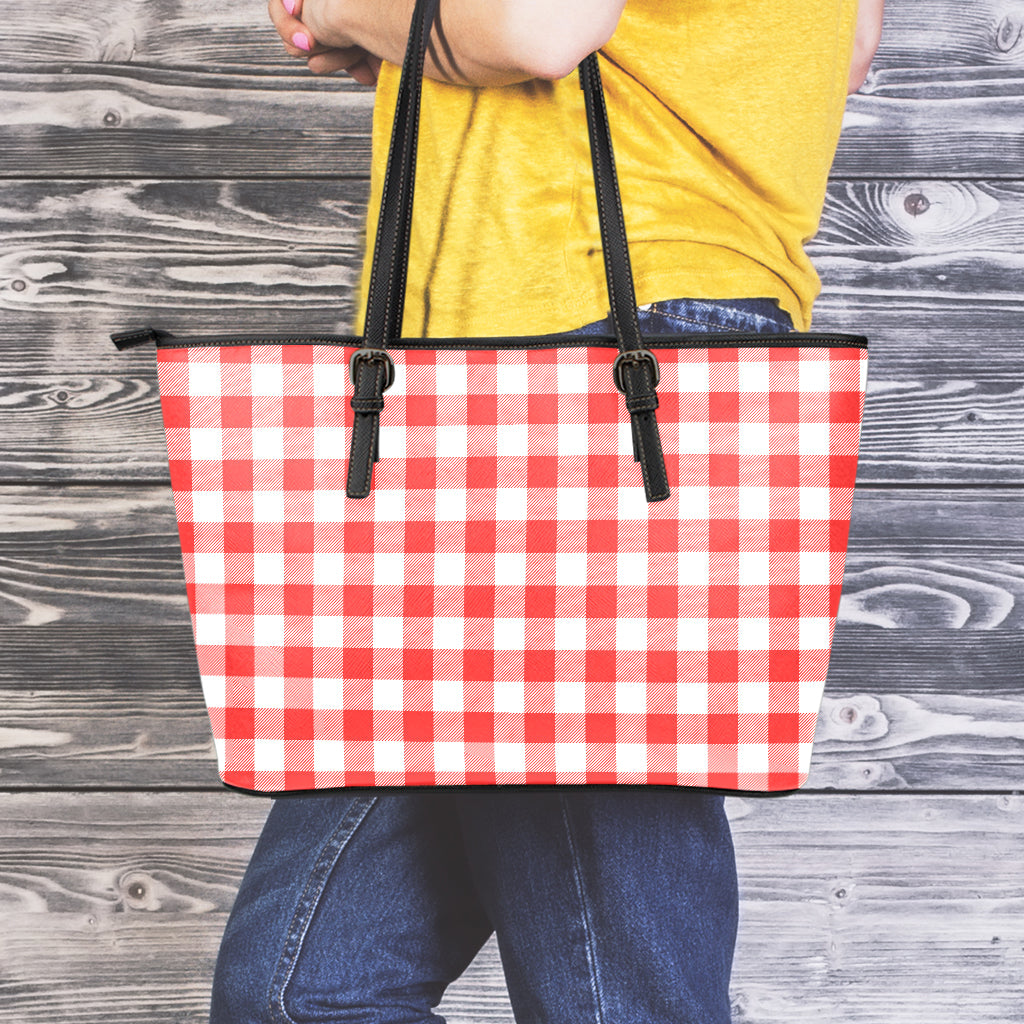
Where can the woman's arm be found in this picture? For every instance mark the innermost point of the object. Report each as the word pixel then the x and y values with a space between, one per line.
pixel 477 42
pixel 865 43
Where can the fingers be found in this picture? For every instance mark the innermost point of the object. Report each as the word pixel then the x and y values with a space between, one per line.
pixel 353 60
pixel 321 60
pixel 297 39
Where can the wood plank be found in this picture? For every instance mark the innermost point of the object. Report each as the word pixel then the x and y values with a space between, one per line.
pixel 187 33
pixel 935 56
pixel 115 118
pixel 99 893
pixel 89 706
pixel 918 557
pixel 103 707
pixel 949 34
pixel 941 99
pixel 945 404
pixel 926 239
pixel 135 248
pixel 90 555
pixel 919 900
pixel 100 683
pixel 910 335
pixel 163 33
pixel 100 890
pixel 936 122
pixel 918 428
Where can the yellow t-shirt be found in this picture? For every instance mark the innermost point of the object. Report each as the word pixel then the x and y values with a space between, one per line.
pixel 725 116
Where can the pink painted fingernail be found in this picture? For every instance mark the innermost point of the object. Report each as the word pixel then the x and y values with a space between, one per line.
pixel 289 6
pixel 301 40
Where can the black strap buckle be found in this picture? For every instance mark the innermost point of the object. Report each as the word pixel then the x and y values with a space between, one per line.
pixel 635 355
pixel 373 353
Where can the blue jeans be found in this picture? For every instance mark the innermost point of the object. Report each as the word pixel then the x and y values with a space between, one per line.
pixel 612 904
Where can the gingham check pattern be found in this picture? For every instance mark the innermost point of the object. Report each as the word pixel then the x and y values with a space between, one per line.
pixel 506 607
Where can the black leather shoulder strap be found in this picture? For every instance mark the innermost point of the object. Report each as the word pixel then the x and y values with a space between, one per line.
pixel 636 369
pixel 386 296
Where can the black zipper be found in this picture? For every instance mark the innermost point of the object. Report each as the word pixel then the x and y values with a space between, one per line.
pixel 164 339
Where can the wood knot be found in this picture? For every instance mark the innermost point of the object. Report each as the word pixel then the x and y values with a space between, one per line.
pixel 916 204
pixel 739 1006
pixel 111 118
pixel 138 891
pixel 1008 34
pixel 19 286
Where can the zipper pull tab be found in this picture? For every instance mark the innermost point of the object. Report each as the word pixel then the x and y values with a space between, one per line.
pixel 132 339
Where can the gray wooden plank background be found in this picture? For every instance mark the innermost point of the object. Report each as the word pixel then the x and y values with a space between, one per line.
pixel 164 160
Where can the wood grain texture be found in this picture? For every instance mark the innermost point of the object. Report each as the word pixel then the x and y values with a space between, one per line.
pixel 941 73
pixel 925 239
pixel 117 708
pixel 89 555
pixel 928 557
pixel 100 686
pixel 959 123
pixel 113 908
pixel 939 34
pixel 103 707
pixel 946 397
pixel 929 886
pixel 931 34
pixel 846 908
pixel 226 190
pixel 141 248
pixel 957 336
pixel 167 33
pixel 106 427
pixel 124 119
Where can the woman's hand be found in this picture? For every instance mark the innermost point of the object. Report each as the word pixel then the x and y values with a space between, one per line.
pixel 474 42
pixel 325 49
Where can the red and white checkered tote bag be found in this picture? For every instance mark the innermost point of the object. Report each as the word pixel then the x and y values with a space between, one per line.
pixel 483 564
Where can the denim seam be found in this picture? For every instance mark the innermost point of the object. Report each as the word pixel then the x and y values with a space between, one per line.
pixel 588 931
pixel 307 905
pixel 754 318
